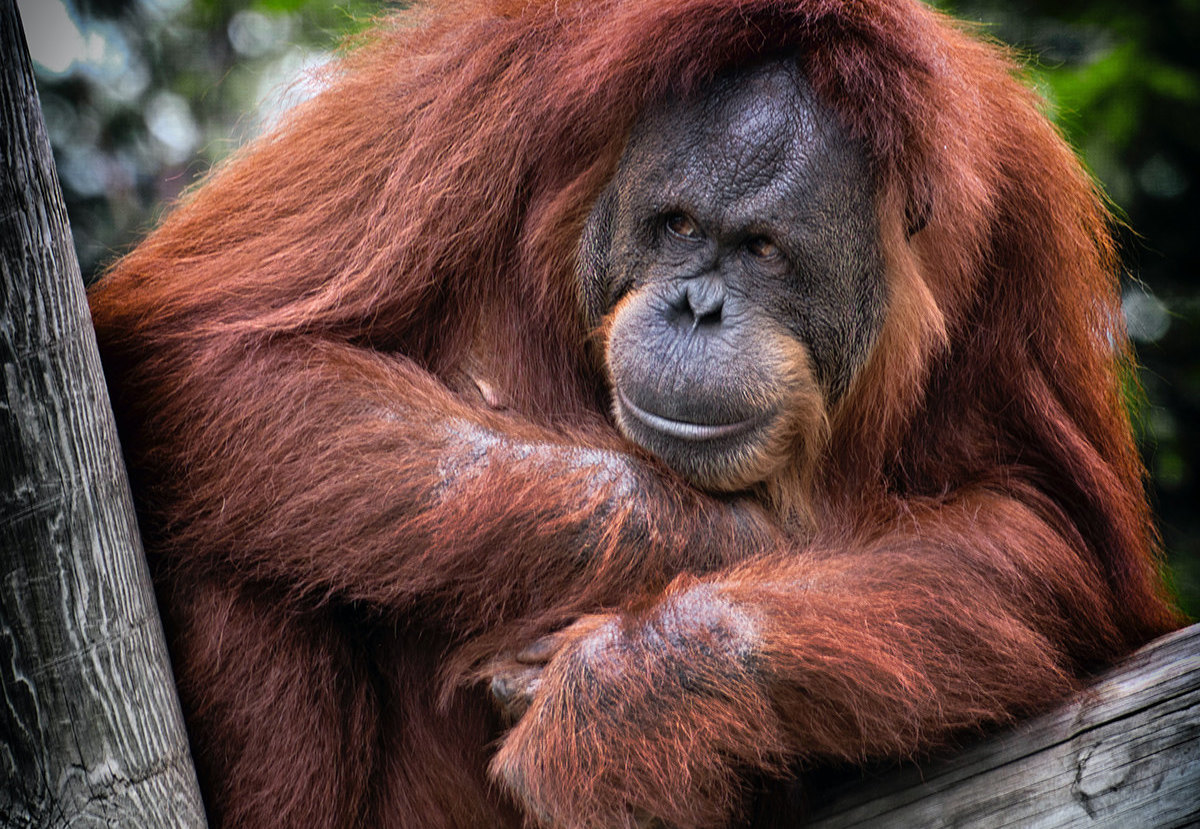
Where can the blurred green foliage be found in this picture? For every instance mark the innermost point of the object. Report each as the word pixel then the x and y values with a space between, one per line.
pixel 1122 80
pixel 142 96
pixel 160 89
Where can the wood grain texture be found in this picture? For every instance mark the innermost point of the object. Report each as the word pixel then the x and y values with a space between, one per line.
pixel 1125 753
pixel 90 728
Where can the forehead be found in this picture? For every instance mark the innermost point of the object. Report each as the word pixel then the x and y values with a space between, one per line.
pixel 754 141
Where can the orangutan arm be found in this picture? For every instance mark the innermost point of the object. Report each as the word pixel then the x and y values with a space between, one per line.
pixel 340 472
pixel 966 613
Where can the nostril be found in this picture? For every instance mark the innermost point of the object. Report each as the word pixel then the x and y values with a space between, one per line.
pixel 711 317
pixel 681 307
pixel 706 301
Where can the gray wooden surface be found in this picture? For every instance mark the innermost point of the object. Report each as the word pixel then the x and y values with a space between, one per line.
pixel 1125 754
pixel 90 729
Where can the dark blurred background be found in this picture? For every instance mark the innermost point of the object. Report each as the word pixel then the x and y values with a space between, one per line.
pixel 142 96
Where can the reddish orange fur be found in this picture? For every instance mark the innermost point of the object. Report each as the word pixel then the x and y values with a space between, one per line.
pixel 407 239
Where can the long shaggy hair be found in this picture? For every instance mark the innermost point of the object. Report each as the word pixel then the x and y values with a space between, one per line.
pixel 429 203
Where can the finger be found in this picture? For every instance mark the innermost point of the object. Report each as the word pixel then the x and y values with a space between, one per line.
pixel 541 651
pixel 513 691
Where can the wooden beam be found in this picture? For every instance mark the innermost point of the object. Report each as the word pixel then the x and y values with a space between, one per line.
pixel 90 728
pixel 1125 753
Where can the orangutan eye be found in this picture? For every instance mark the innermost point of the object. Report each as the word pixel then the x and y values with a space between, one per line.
pixel 762 247
pixel 682 225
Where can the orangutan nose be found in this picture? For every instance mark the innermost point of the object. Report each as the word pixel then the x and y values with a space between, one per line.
pixel 698 304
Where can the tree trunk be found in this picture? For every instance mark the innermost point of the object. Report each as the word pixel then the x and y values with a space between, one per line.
pixel 90 727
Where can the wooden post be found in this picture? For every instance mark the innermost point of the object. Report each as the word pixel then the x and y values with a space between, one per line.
pixel 90 728
pixel 1125 753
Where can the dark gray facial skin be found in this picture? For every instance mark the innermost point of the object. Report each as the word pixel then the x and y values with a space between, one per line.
pixel 737 220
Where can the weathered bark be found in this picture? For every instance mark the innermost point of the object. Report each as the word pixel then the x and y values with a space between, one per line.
pixel 1125 753
pixel 90 727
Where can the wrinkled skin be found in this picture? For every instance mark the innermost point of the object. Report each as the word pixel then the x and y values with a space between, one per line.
pixel 734 261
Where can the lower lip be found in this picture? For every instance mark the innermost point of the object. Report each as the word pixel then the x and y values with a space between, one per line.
pixel 682 429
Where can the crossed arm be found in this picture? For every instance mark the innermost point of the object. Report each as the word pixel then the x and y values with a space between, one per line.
pixel 337 471
pixel 965 613
pixel 355 474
